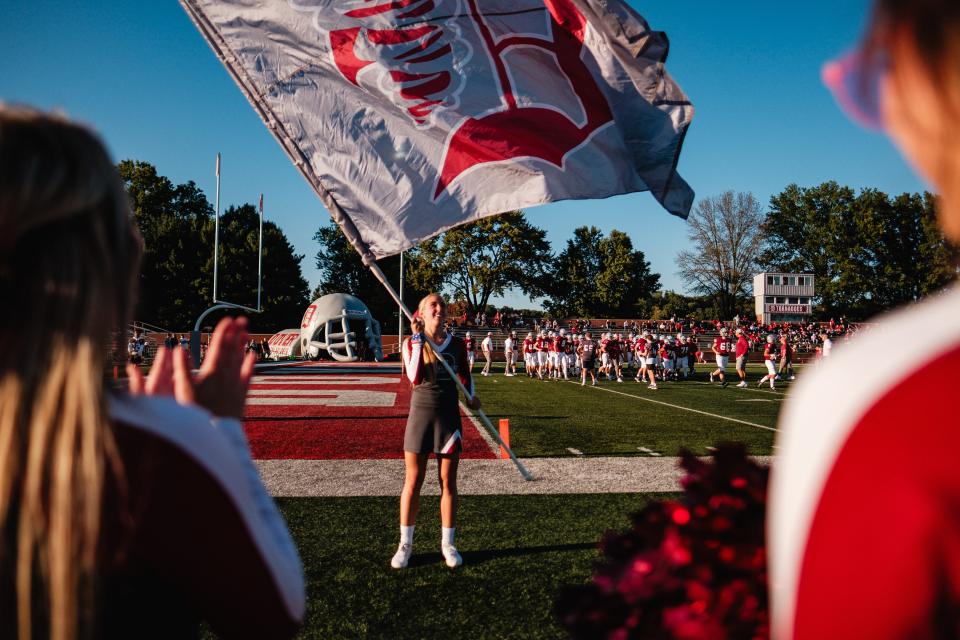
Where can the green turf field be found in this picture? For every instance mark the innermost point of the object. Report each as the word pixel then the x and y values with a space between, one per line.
pixel 547 418
pixel 517 550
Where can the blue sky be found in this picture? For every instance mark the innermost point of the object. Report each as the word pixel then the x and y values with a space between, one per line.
pixel 140 73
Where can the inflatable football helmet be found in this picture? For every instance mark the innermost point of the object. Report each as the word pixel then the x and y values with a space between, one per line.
pixel 341 325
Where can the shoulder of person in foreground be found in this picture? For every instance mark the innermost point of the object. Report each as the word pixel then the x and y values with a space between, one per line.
pixel 857 419
pixel 207 524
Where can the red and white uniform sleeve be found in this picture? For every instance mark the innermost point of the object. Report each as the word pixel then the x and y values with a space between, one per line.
pixel 864 537
pixel 202 524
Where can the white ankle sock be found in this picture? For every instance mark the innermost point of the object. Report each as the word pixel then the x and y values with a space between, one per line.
pixel 446 535
pixel 406 534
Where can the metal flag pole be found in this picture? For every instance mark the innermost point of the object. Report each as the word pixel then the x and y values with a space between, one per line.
pixel 260 256
pixel 400 313
pixel 216 231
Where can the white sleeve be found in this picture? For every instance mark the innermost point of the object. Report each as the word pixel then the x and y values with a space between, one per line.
pixel 411 359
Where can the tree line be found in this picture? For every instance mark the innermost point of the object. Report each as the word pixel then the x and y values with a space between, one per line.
pixel 868 251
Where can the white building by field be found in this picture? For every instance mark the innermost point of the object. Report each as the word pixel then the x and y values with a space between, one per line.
pixel 783 297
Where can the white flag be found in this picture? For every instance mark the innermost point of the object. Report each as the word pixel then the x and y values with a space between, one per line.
pixel 409 117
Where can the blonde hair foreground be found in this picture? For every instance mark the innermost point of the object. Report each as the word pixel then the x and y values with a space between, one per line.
pixel 69 255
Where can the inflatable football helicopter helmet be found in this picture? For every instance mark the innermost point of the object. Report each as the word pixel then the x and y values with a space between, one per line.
pixel 341 325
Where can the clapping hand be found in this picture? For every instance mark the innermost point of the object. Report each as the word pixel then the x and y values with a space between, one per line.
pixel 220 386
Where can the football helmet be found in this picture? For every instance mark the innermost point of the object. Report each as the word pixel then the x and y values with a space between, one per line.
pixel 723 331
pixel 341 325
pixel 771 339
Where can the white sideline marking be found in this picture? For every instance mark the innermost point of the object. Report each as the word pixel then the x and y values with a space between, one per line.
pixel 494 447
pixel 648 451
pixel 676 406
pixel 328 397
pixel 750 388
pixel 575 452
pixel 759 400
pixel 339 380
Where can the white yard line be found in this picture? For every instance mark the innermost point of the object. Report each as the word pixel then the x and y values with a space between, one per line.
pixel 483 432
pixel 677 406
pixel 753 388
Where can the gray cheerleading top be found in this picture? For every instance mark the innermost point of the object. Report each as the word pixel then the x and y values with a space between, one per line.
pixel 434 421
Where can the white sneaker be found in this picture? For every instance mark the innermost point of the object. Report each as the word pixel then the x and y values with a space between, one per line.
pixel 451 556
pixel 742 385
pixel 619 379
pixel 653 387
pixel 402 556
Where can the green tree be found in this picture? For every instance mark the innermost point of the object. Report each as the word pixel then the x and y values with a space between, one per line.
pixel 597 276
pixel 342 271
pixel 284 294
pixel 174 221
pixel 868 252
pixel 575 272
pixel 485 258
pixel 726 235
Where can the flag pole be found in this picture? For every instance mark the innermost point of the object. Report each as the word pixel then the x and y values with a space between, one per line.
pixel 216 232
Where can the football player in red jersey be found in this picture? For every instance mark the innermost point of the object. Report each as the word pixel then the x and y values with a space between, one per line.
pixel 542 346
pixel 529 355
pixel 639 347
pixel 770 353
pixel 721 349
pixel 668 354
pixel 614 352
pixel 743 348
pixel 786 358
pixel 471 349
pixel 604 355
pixel 627 357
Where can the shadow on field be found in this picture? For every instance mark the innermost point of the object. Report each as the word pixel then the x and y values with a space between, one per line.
pixel 472 558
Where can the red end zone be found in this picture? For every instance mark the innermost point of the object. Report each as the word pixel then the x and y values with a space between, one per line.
pixel 308 412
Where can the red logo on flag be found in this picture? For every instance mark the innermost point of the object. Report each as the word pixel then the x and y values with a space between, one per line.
pixel 417 63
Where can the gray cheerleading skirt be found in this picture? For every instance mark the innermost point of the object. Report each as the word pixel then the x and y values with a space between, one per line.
pixel 433 425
